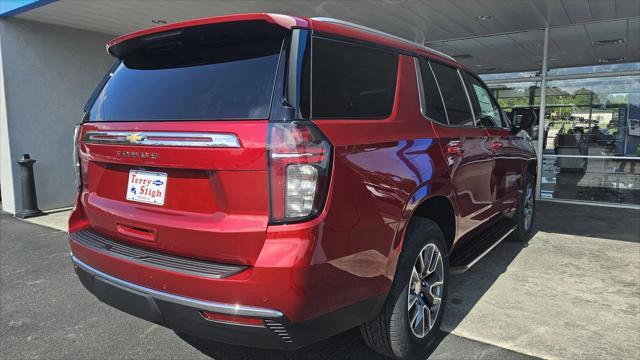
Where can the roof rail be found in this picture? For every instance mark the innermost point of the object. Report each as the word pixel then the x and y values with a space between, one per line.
pixel 381 33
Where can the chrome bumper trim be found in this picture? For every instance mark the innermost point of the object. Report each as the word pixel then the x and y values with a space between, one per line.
pixel 222 308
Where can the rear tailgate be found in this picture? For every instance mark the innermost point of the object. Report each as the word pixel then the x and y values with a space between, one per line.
pixel 215 201
pixel 173 147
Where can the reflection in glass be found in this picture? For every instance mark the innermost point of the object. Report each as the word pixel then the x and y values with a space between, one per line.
pixel 520 94
pixel 589 123
pixel 591 133
pixel 596 117
pixel 586 70
pixel 585 178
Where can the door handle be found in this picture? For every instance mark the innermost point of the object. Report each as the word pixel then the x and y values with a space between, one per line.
pixel 496 145
pixel 455 149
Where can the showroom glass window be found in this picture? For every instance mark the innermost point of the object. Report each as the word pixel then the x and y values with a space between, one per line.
pixel 591 133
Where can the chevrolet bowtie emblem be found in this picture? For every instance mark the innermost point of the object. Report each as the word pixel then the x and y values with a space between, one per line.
pixel 135 138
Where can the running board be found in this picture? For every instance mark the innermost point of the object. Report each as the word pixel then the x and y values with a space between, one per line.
pixel 475 249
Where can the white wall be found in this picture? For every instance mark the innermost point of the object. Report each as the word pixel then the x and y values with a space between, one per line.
pixel 48 73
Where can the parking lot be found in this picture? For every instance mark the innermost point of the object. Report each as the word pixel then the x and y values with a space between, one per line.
pixel 572 292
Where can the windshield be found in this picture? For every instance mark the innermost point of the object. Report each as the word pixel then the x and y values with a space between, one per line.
pixel 213 72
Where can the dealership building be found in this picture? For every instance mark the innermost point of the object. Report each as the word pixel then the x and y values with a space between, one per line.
pixel 577 63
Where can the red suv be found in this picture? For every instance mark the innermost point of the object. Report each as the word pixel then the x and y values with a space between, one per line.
pixel 271 181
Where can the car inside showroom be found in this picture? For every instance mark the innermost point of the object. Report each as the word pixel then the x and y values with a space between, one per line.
pixel 104 254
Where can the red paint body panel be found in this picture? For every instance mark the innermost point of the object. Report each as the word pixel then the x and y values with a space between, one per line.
pixel 470 173
pixel 208 213
pixel 217 199
pixel 346 255
pixel 510 154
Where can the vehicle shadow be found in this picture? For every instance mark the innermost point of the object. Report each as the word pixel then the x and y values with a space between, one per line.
pixel 593 221
pixel 347 345
pixel 465 290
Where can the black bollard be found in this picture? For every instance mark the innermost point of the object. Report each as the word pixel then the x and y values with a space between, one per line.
pixel 29 198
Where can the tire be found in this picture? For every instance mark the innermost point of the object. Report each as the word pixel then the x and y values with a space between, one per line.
pixel 392 333
pixel 526 209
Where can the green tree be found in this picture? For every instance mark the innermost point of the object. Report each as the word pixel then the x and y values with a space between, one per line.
pixel 584 97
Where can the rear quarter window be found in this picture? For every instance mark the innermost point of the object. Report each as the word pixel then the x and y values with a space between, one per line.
pixel 351 81
pixel 433 106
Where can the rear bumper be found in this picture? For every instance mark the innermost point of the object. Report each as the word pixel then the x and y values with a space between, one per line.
pixel 222 308
pixel 182 314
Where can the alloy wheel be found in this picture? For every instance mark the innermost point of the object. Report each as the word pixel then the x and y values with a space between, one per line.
pixel 528 208
pixel 425 290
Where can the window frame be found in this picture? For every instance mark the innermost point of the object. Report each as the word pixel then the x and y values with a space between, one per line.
pixel 466 91
pixel 359 43
pixel 421 92
pixel 429 60
pixel 504 121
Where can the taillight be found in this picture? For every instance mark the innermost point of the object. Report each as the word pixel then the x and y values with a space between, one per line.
pixel 299 171
pixel 76 158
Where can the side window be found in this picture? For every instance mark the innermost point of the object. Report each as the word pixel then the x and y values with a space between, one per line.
pixel 488 111
pixel 454 95
pixel 433 106
pixel 351 81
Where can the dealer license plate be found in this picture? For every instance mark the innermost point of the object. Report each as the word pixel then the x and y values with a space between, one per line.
pixel 147 187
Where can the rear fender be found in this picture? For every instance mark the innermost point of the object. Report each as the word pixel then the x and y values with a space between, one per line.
pixel 439 187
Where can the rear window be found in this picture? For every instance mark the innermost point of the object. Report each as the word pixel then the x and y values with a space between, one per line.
pixel 351 81
pixel 213 72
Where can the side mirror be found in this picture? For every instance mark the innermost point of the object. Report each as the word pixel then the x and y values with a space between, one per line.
pixel 523 119
pixel 488 121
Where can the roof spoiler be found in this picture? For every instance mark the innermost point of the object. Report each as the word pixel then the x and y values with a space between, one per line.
pixel 115 48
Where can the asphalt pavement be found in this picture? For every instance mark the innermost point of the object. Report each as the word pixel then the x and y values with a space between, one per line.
pixel 46 313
